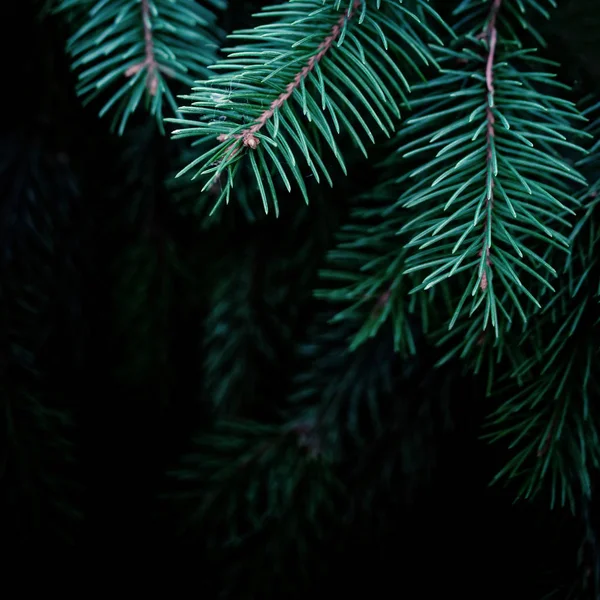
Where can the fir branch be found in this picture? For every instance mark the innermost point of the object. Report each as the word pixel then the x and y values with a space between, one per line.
pixel 492 187
pixel 124 50
pixel 312 71
pixel 491 33
pixel 248 135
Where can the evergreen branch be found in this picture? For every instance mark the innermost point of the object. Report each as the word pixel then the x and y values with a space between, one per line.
pixel 488 351
pixel 124 50
pixel 556 437
pixel 313 69
pixel 370 265
pixel 492 189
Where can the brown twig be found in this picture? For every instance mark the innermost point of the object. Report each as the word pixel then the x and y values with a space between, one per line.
pixel 248 135
pixel 491 33
pixel 149 63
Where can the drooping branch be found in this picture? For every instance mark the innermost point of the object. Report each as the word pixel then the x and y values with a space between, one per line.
pixel 277 88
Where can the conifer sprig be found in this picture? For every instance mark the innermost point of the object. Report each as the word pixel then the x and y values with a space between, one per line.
pixel 492 186
pixel 127 50
pixel 321 67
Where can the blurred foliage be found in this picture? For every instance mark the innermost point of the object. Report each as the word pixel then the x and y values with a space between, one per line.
pixel 377 411
pixel 40 304
pixel 247 483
